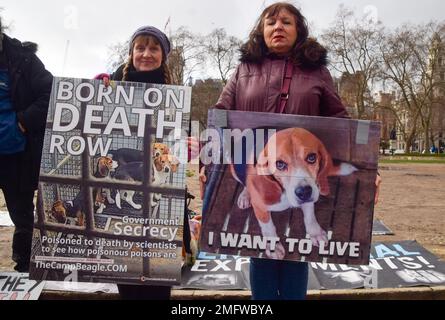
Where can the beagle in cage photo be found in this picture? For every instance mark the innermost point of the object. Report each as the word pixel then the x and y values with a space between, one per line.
pixel 163 166
pixel 127 155
pixel 104 167
pixel 62 211
pixel 291 172
pixel 130 161
pixel 160 149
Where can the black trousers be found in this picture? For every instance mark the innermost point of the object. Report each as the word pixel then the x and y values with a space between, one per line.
pixel 19 201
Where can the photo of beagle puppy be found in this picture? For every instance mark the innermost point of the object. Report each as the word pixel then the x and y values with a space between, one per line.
pixel 163 166
pixel 63 211
pixel 128 172
pixel 160 149
pixel 126 155
pixel 291 172
pixel 104 167
pixel 130 169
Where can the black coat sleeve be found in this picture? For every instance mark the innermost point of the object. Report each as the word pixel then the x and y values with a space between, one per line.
pixel 33 117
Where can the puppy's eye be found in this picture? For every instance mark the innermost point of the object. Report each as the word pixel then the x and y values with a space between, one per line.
pixel 311 158
pixel 281 165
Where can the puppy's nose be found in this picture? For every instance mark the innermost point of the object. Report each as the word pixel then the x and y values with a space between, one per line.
pixel 304 193
pixel 166 170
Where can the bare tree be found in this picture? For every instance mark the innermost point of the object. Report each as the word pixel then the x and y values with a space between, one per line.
pixel 187 56
pixel 118 55
pixel 411 55
pixel 3 26
pixel 223 52
pixel 205 94
pixel 353 44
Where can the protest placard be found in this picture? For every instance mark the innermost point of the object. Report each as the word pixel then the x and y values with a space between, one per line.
pixel 112 185
pixel 290 187
pixel 18 286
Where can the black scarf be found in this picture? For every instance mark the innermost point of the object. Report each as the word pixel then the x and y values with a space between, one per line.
pixel 154 76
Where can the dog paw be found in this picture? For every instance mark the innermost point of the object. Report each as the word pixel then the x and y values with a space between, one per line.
pixel 244 200
pixel 136 206
pixel 318 237
pixel 278 253
pixel 346 169
pixel 153 204
pixel 118 200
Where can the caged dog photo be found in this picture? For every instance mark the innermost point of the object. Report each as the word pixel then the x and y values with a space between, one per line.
pixel 73 210
pixel 126 165
pixel 130 169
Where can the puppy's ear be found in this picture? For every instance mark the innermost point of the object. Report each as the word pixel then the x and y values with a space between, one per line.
pixel 174 161
pixel 267 188
pixel 157 162
pixel 58 211
pixel 325 169
pixel 57 203
pixel 102 167
pixel 166 150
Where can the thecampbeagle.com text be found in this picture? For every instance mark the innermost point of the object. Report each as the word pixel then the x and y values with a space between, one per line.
pixel 54 265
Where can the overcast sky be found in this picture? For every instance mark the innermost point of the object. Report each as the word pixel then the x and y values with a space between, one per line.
pixel 91 27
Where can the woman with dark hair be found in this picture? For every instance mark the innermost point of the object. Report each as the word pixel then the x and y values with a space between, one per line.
pixel 280 40
pixel 282 70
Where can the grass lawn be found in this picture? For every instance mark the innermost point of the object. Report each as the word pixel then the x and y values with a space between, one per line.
pixel 438 161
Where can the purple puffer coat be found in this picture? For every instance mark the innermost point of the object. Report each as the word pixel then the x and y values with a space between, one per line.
pixel 256 87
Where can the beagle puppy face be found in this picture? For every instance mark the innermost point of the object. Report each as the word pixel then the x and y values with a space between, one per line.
pixel 160 149
pixel 296 159
pixel 58 211
pixel 165 163
pixel 105 165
